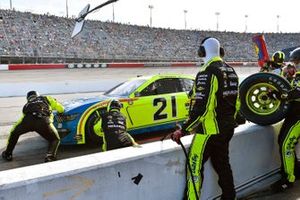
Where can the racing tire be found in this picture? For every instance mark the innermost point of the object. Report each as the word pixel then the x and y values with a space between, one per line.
pixel 91 137
pixel 256 105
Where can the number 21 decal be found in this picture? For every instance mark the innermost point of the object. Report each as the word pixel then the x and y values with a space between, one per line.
pixel 162 102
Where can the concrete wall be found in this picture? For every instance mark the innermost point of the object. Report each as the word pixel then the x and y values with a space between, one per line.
pixel 161 166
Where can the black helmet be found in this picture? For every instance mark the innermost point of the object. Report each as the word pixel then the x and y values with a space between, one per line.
pixel 32 93
pixel 114 104
pixel 295 55
pixel 278 57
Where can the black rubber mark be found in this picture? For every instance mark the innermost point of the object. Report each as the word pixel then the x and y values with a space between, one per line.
pixel 119 174
pixel 137 178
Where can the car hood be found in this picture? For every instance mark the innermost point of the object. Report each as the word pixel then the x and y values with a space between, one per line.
pixel 76 103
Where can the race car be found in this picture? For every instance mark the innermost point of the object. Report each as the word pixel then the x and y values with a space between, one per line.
pixel 150 103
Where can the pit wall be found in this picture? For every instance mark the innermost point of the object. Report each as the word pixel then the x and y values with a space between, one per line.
pixel 154 171
pixel 109 65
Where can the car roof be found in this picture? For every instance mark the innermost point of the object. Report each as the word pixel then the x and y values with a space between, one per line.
pixel 164 75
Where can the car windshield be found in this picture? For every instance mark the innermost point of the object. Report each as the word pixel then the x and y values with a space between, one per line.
pixel 126 88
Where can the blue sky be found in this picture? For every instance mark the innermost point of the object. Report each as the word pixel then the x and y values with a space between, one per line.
pixel 234 15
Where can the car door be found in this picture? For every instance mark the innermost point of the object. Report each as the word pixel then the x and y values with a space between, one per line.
pixel 160 103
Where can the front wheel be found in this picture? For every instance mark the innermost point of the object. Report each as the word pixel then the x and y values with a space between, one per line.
pixel 256 105
pixel 91 137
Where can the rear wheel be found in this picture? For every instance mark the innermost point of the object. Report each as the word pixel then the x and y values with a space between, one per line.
pixel 256 106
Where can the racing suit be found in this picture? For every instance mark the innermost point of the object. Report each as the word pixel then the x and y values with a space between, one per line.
pixel 290 132
pixel 113 125
pixel 38 117
pixel 212 119
pixel 271 66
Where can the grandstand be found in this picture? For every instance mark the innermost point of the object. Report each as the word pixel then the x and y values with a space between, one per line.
pixel 31 38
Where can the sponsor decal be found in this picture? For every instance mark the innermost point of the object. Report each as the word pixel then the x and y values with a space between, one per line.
pixel 201 83
pixel 200 88
pixel 203 75
pixel 194 163
pixel 232 76
pixel 289 153
pixel 233 83
pixel 230 92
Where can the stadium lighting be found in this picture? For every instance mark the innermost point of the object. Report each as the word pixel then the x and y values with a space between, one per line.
pixel 217 14
pixel 67 9
pixel 113 12
pixel 185 12
pixel 246 17
pixel 278 16
pixel 150 7
pixel 10 3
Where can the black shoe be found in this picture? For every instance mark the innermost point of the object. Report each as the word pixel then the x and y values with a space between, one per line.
pixel 281 185
pixel 50 159
pixel 7 156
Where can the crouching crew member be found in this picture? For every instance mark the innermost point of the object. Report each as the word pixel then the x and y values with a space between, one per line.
pixel 38 117
pixel 112 128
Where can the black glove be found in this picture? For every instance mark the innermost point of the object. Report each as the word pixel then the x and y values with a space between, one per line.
pixel 59 117
pixel 239 119
pixel 276 95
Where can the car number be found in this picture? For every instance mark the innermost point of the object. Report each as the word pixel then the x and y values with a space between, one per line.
pixel 162 104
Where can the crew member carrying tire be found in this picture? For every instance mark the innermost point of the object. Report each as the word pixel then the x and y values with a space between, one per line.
pixel 212 119
pixel 38 117
pixel 276 64
pixel 112 128
pixel 290 130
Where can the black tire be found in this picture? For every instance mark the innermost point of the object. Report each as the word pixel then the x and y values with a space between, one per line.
pixel 256 106
pixel 91 137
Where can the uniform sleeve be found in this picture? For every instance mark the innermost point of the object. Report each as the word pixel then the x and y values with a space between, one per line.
pixel 98 128
pixel 205 85
pixel 55 105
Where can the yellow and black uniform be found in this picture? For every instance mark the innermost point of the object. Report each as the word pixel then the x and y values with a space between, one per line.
pixel 212 118
pixel 289 134
pixel 290 130
pixel 112 128
pixel 38 117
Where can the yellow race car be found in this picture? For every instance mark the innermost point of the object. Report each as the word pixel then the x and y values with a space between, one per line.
pixel 150 103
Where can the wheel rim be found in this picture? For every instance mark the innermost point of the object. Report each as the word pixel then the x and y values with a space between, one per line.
pixel 258 101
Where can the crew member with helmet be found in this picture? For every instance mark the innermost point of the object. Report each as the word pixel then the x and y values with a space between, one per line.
pixel 214 100
pixel 276 64
pixel 113 129
pixel 290 130
pixel 37 116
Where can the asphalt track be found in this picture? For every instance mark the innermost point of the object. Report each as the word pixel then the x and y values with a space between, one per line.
pixel 31 148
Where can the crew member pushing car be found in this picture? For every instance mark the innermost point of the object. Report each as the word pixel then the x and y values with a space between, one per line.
pixel 38 117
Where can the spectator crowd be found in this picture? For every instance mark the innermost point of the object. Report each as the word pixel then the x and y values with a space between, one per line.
pixel 24 34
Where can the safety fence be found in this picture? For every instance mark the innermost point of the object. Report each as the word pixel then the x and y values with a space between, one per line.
pixel 109 65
